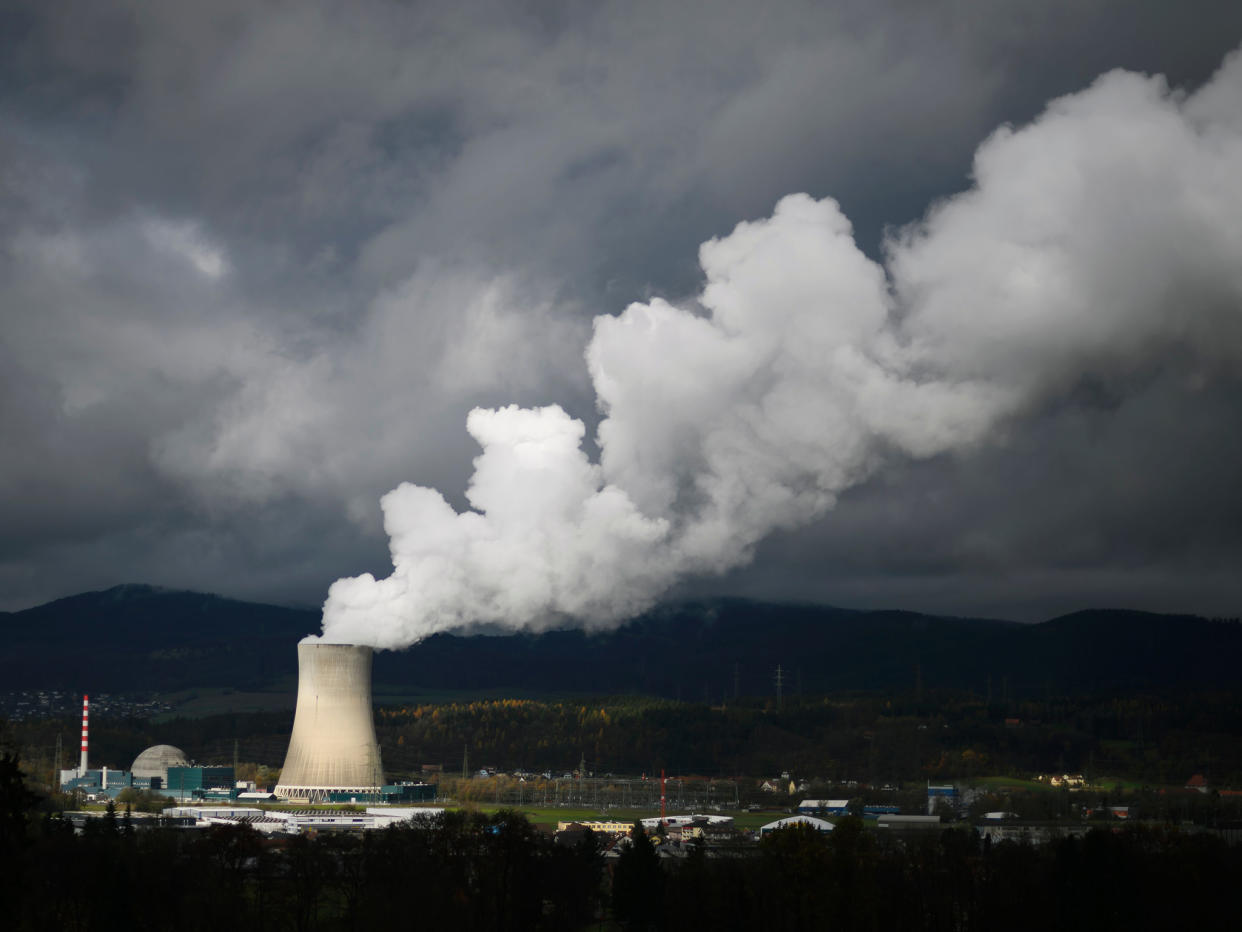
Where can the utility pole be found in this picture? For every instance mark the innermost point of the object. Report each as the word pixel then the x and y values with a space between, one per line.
pixel 780 683
pixel 465 761
pixel 235 761
pixel 662 789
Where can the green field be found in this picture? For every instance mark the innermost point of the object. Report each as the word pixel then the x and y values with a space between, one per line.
pixel 995 783
pixel 207 701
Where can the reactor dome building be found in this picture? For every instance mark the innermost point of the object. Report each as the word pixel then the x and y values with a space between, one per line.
pixel 155 761
pixel 332 750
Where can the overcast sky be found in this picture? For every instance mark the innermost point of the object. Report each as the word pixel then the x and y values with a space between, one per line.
pixel 258 262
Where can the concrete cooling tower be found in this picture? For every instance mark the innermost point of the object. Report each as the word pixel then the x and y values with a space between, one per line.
pixel 332 752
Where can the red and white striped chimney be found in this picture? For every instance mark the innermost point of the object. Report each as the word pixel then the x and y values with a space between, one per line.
pixel 86 717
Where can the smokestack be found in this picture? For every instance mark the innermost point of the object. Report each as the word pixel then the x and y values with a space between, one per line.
pixel 332 748
pixel 86 717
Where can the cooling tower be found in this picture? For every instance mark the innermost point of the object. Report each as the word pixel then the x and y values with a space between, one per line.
pixel 332 749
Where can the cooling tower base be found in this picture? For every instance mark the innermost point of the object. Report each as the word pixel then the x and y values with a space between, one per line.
pixel 327 794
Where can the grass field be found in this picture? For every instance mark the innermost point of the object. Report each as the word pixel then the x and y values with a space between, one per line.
pixel 205 701
pixel 994 783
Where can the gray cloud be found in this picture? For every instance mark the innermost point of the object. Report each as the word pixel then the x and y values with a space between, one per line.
pixel 415 210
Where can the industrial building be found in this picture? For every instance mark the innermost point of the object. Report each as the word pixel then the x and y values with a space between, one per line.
pixel 333 754
pixel 98 783
pixel 183 782
pixel 676 821
pixel 819 825
pixel 939 797
pixel 824 806
pixel 199 783
pixel 909 823
pixel 388 793
pixel 292 823
pixel 162 769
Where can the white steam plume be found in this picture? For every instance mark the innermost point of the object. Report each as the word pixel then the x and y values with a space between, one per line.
pixel 1099 240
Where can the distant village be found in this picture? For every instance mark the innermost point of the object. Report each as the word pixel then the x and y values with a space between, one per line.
pixel 24 705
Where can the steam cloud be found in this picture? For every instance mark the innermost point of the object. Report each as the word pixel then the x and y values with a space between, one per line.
pixel 1097 243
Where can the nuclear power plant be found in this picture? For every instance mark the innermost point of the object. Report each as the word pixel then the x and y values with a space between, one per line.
pixel 333 754
pixel 161 769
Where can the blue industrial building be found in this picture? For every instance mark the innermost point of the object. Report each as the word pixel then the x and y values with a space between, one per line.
pixel 197 782
pixel 182 782
pixel 824 807
pixel 102 782
pixel 938 795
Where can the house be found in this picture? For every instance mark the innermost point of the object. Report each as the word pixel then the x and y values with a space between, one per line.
pixel 1115 812
pixel 612 827
pixel 1073 781
pixel 570 834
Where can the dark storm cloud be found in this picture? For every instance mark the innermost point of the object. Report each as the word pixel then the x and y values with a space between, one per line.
pixel 258 262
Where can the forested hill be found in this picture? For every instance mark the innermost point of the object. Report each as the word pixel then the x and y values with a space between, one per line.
pixel 139 638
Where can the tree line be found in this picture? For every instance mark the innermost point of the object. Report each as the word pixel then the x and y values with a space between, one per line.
pixel 1154 739
pixel 858 879
pixel 482 872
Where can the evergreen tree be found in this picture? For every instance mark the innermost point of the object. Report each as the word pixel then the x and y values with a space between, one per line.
pixel 638 883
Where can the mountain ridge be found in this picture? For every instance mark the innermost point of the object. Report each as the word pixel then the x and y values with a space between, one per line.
pixel 141 638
